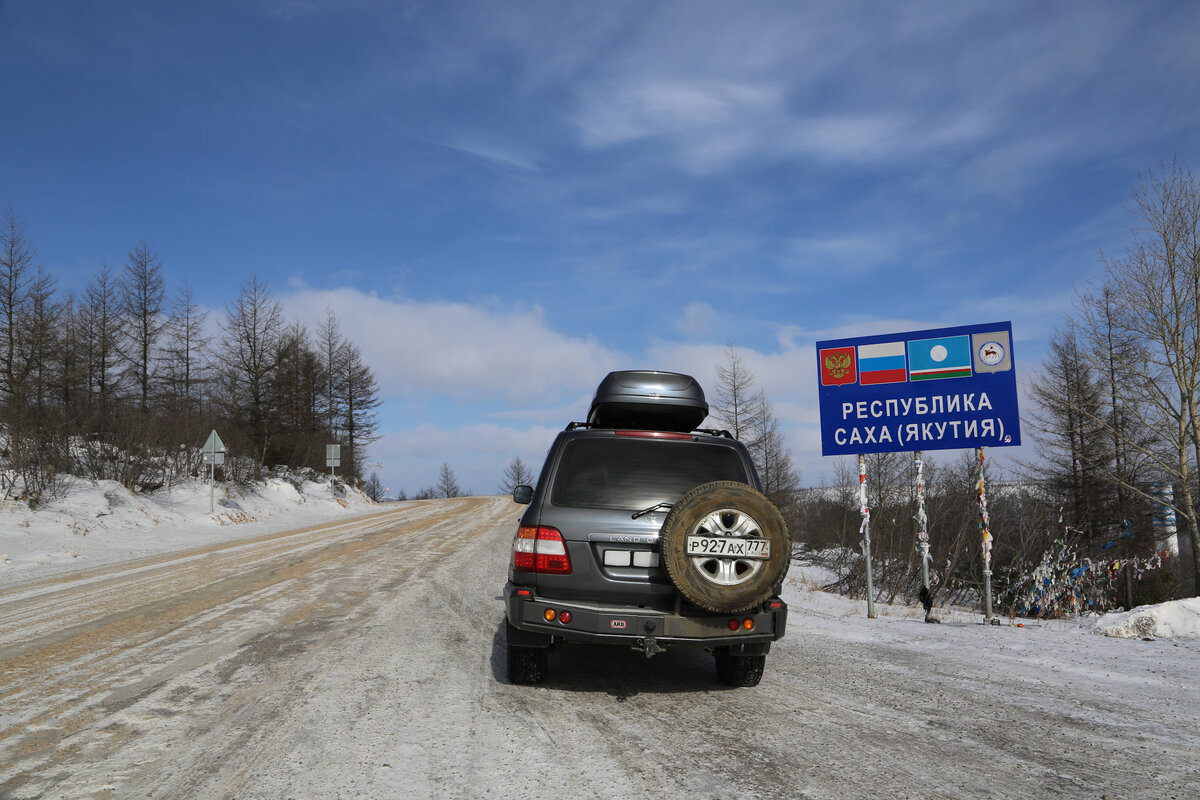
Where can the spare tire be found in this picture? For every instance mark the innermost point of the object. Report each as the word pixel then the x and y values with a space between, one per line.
pixel 725 546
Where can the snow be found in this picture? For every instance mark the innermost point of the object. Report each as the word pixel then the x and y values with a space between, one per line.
pixel 100 522
pixel 356 715
pixel 1178 619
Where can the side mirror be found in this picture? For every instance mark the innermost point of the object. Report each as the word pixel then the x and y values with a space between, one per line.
pixel 523 495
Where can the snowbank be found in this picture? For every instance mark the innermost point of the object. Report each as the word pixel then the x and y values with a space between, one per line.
pixel 1177 619
pixel 101 522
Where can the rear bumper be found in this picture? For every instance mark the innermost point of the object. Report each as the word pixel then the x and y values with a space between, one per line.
pixel 632 627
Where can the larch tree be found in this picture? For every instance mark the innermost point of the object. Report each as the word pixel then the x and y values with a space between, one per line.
pixel 142 297
pixel 517 473
pixel 1153 309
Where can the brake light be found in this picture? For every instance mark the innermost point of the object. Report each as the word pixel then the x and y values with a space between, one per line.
pixel 653 434
pixel 538 548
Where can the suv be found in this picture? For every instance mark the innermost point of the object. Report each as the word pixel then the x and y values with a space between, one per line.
pixel 646 533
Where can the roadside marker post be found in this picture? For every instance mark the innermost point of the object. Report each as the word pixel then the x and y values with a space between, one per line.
pixel 213 453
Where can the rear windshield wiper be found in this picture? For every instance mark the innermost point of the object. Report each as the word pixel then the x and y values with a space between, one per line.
pixel 651 509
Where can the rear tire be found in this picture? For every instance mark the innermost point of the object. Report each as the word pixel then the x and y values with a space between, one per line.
pixel 742 671
pixel 526 665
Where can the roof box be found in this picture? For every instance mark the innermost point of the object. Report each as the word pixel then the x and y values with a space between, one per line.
pixel 648 400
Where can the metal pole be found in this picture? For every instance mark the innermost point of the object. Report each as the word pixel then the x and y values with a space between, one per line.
pixel 922 521
pixel 923 539
pixel 865 530
pixel 987 543
pixel 212 480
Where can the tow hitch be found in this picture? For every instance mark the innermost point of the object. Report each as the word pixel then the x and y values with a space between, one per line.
pixel 649 647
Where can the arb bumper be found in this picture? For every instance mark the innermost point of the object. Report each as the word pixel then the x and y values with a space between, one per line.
pixel 540 621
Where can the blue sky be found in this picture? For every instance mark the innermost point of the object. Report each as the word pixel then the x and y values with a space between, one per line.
pixel 502 201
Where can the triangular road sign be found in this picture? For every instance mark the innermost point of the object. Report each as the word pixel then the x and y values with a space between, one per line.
pixel 213 444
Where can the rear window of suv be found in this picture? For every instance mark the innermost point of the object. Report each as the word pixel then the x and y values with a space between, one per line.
pixel 638 473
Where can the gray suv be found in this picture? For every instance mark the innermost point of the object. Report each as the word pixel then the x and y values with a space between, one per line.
pixel 647 533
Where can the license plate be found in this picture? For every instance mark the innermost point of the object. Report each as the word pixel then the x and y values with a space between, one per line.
pixel 728 546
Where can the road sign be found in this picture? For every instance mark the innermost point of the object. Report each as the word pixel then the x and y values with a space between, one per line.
pixel 213 450
pixel 213 444
pixel 333 455
pixel 214 455
pixel 942 389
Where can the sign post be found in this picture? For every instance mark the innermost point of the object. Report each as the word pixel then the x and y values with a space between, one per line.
pixel 981 496
pixel 923 538
pixel 942 389
pixel 213 453
pixel 333 458
pixel 865 530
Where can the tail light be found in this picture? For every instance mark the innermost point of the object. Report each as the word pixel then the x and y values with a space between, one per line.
pixel 538 548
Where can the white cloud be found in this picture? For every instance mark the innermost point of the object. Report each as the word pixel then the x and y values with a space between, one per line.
pixel 698 321
pixel 458 349
pixel 477 453
pixel 495 152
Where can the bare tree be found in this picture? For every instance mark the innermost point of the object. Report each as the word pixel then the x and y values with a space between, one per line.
pixel 16 281
pixel 185 361
pixel 778 474
pixel 252 329
pixel 141 298
pixel 374 487
pixel 331 346
pixel 447 485
pixel 359 401
pixel 1073 446
pixel 517 473
pixel 735 405
pixel 115 375
pixel 1156 284
pixel 102 331
pixel 26 305
pixel 296 386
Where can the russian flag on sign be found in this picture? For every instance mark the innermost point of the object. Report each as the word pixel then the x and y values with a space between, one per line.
pixel 881 363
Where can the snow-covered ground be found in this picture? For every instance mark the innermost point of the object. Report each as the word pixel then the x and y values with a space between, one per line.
pixel 285 668
pixel 98 523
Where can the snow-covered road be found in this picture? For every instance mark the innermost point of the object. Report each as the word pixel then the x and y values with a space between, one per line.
pixel 364 659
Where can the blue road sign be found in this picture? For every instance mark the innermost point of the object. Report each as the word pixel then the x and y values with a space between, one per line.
pixel 943 389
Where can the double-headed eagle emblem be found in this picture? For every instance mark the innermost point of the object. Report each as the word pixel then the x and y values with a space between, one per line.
pixel 838 365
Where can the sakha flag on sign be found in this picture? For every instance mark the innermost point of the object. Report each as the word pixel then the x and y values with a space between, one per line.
pixel 940 357
pixel 881 363
pixel 838 366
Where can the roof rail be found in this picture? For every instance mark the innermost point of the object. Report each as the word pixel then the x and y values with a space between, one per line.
pixel 574 426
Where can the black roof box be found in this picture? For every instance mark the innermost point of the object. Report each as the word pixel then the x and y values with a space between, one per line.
pixel 648 400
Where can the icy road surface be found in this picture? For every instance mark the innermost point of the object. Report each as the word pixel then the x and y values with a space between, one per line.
pixel 365 659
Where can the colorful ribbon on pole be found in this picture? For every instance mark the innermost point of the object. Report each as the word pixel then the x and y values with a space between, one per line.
pixel 984 522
